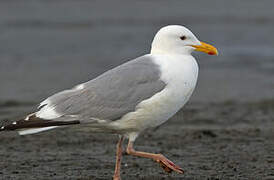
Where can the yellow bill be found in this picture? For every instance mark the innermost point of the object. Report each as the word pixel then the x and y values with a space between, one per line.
pixel 206 48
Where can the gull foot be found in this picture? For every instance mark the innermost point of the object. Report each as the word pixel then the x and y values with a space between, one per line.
pixel 168 165
pixel 116 178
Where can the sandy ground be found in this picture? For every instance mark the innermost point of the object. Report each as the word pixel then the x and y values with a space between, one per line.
pixel 226 131
pixel 209 141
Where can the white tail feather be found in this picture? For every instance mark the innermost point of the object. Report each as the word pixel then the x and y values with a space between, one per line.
pixel 35 130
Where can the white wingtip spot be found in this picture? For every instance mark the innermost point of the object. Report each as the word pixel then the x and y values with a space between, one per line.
pixel 80 86
pixel 28 116
pixel 14 123
pixel 2 127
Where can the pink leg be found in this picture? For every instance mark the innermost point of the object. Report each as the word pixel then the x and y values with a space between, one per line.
pixel 119 150
pixel 166 164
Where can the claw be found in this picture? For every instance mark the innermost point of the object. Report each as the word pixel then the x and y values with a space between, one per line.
pixel 166 169
pixel 168 165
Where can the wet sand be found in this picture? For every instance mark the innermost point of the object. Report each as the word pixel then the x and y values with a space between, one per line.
pixel 226 131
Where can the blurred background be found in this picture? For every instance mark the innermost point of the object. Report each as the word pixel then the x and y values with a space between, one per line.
pixel 48 46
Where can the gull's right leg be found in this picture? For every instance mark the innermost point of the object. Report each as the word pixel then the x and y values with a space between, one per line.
pixel 165 163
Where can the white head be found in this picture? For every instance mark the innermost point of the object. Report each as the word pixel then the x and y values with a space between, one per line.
pixel 176 39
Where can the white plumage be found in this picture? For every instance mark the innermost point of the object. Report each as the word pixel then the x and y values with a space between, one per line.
pixel 180 73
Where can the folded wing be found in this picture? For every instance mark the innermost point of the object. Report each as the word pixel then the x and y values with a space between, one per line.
pixel 107 97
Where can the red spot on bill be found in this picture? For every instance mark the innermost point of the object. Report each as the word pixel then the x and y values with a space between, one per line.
pixel 211 53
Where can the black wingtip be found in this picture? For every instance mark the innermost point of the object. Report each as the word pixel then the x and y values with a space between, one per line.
pixel 33 121
pixel 4 127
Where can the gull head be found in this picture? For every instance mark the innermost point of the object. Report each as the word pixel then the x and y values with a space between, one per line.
pixel 176 39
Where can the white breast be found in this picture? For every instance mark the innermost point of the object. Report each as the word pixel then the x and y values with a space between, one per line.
pixel 180 74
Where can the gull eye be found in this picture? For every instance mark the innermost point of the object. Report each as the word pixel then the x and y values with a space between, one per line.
pixel 183 37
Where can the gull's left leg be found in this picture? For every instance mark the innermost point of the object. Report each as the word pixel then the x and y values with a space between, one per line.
pixel 165 163
pixel 119 150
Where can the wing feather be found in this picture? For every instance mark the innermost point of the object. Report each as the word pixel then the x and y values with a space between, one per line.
pixel 109 96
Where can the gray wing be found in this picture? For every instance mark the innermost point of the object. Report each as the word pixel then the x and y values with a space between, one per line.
pixel 112 94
